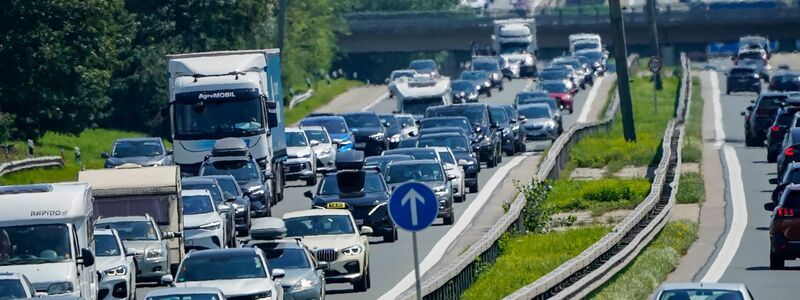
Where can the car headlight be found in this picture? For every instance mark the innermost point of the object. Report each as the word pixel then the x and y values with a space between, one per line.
pixel 238 208
pixel 352 250
pixel 255 191
pixel 377 136
pixel 550 124
pixel 528 60
pixel 60 288
pixel 305 283
pixel 487 84
pixel 211 226
pixel 465 162
pixel 263 296
pixel 461 94
pixel 478 87
pixel 440 190
pixel 117 271
pixel 395 138
pixel 154 253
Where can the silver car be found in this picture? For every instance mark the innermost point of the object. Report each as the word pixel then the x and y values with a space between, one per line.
pixel 305 277
pixel 429 172
pixel 540 122
pixel 116 267
pixel 702 290
pixel 325 150
pixel 302 162
pixel 142 237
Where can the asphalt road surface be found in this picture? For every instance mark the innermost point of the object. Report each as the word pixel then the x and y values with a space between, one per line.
pixel 390 262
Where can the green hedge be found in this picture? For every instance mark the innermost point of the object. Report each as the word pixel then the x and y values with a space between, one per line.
pixel 598 195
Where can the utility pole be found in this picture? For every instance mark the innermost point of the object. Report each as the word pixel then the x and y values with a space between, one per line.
pixel 281 24
pixel 623 79
pixel 652 19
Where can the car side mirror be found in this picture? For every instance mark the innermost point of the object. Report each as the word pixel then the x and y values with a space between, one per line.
pixel 773 181
pixel 366 230
pixel 167 279
pixel 87 258
pixel 412 134
pixel 753 101
pixel 742 113
pixel 169 152
pixel 462 162
pixel 309 195
pixel 104 155
pixel 314 143
pixel 168 235
pixel 40 294
pixel 323 265
pixel 230 199
pixel 451 177
pixel 278 274
pixel 494 126
pixel 130 252
pixel 512 121
pixel 387 124
pixel 769 206
pixel 478 129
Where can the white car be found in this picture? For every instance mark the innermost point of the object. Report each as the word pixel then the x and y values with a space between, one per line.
pixel 451 166
pixel 302 162
pixel 333 237
pixel 702 290
pixel 396 75
pixel 17 286
pixel 240 273
pixel 116 266
pixel 325 150
pixel 205 293
pixel 202 223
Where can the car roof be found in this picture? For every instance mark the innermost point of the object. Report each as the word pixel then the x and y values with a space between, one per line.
pixel 228 158
pixel 293 129
pixel 285 243
pixel 198 179
pixel 140 139
pixel 222 252
pixel 316 212
pixel 9 275
pixel 217 177
pixel 702 285
pixel 430 119
pixel 313 127
pixel 406 150
pixel 444 134
pixel 533 105
pixel 359 113
pixel 122 219
pixel 185 193
pixel 389 157
pixel 414 162
pixel 324 118
pixel 183 291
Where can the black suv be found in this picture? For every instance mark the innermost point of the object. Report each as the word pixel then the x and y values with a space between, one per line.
pixel 486 128
pixel 759 117
pixel 743 79
pixel 776 132
pixel 368 131
pixel 230 157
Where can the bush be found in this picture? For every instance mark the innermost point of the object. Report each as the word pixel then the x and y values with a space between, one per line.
pixel 600 195
pixel 691 188
pixel 536 217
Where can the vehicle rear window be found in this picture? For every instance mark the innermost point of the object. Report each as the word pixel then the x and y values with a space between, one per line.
pixel 701 294
pixel 770 102
pixel 742 72
pixel 792 200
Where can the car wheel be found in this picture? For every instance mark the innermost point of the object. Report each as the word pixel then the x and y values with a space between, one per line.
pixel 312 181
pixel 492 162
pixel 390 237
pixel 772 156
pixel 489 94
pixel 727 92
pixel 571 109
pixel 363 282
pixel 749 141
pixel 500 88
pixel 776 262
pixel 450 219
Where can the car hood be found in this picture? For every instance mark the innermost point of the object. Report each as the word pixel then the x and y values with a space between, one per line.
pixel 109 262
pixel 338 241
pixel 41 275
pixel 366 131
pixel 430 184
pixel 515 58
pixel 233 287
pixel 139 160
pixel 293 275
pixel 538 121
pixel 366 199
pixel 200 219
pixel 463 155
pixel 298 151
pixel 340 136
pixel 248 184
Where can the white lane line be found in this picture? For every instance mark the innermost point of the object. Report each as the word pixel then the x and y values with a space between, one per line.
pixel 739 220
pixel 590 100
pixel 382 97
pixel 449 238
pixel 719 131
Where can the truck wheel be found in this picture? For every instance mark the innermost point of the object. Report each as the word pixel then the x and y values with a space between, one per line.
pixel 776 262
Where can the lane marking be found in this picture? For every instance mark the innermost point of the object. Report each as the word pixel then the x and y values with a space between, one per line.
pixel 380 98
pixel 590 100
pixel 738 221
pixel 719 131
pixel 439 249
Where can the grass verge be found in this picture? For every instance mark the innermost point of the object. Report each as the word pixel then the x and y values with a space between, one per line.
pixel 692 142
pixel 643 275
pixel 323 93
pixel 602 113
pixel 600 195
pixel 690 188
pixel 528 257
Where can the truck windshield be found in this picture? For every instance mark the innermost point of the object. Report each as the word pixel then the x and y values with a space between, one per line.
pixel 417 106
pixel 34 244
pixel 207 119
pixel 513 48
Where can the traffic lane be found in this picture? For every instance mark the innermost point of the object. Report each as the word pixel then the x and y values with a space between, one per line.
pixel 750 264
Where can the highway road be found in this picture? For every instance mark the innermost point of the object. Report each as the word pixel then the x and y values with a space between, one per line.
pixel 743 252
pixel 390 262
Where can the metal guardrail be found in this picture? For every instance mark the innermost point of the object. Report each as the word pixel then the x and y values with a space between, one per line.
pixel 300 98
pixel 30 163
pixel 580 275
pixel 459 275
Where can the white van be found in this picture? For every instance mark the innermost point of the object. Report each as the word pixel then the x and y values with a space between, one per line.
pixel 46 233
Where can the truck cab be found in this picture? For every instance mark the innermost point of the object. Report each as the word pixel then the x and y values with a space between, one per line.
pixel 46 233
pixel 216 95
pixel 155 192
pixel 515 41
pixel 414 96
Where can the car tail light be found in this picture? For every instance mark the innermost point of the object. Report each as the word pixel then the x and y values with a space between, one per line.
pixel 789 151
pixel 775 128
pixel 785 212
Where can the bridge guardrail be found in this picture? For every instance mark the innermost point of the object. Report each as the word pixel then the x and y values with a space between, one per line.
pixel 459 275
pixel 30 163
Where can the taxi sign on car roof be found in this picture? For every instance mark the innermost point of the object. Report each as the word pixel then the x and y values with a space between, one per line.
pixel 336 205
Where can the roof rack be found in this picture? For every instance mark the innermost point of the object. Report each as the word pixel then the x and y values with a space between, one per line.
pixel 350 160
pixel 268 229
pixel 230 147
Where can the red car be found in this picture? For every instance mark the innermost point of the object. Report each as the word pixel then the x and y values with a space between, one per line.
pixel 562 92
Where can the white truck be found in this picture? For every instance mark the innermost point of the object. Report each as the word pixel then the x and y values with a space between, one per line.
pixel 215 95
pixel 416 94
pixel 585 41
pixel 515 41
pixel 47 234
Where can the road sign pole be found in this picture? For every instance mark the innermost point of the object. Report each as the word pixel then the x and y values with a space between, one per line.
pixel 416 265
pixel 655 99
pixel 623 80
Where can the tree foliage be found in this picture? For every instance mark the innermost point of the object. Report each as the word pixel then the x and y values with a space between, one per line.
pixel 401 5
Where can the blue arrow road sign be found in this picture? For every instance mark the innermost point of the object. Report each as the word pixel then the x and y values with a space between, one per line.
pixel 413 206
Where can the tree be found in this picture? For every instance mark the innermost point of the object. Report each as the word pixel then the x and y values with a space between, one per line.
pixel 310 39
pixel 57 58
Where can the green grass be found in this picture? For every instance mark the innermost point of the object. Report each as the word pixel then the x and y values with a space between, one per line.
pixel 597 195
pixel 691 188
pixel 526 258
pixel 91 142
pixel 323 93
pixel 692 141
pixel 609 149
pixel 640 278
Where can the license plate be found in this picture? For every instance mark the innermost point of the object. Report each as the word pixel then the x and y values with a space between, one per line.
pixel 359 222
pixel 336 205
pixel 361 145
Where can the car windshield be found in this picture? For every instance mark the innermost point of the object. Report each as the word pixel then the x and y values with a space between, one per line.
pixel 12 289
pixel 591 56
pixel 402 74
pixel 409 121
pixel 514 48
pixel 416 153
pixel 362 120
pixel 137 148
pixel 498 114
pixel 186 297
pixel 463 86
pixel 242 170
pixel 554 87
pixel 553 75
pixel 787 78
pixel 221 267
pixel 229 186
pixel 319 225
pixel 196 205
pixel 754 55
pixel 133 230
pixel 417 106
pixel 434 123
pixel 701 294
pixel 373 183
pixel 332 125
pixel 394 126
pixel 286 258
pixel 455 143
pixel 475 113
pixel 317 135
pixel 398 173
pixel 210 118
pixel 535 112
pixel 296 139
pixel 209 186
pixel 585 46
pixel 423 66
pixel 575 64
pixel 34 244
pixel 771 102
pixel 485 66
pixel 382 161
pixel 105 245
pixel 473 76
